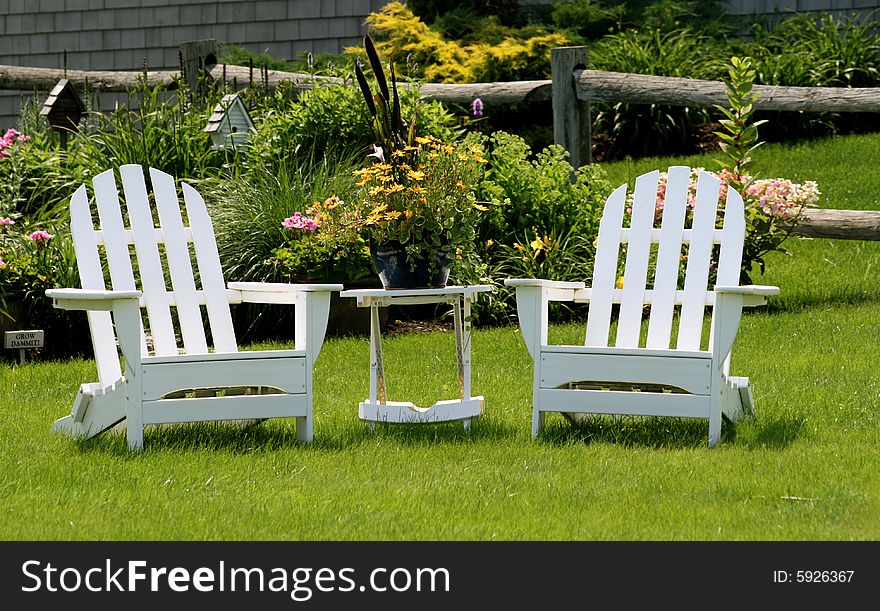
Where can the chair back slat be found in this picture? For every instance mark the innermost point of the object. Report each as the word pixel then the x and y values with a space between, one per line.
pixel 699 254
pixel 91 277
pixel 677 239
pixel 177 254
pixel 150 269
pixel 210 271
pixel 733 236
pixel 114 238
pixel 605 270
pixel 635 273
pixel 668 258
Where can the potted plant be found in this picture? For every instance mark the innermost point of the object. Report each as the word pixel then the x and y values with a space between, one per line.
pixel 414 204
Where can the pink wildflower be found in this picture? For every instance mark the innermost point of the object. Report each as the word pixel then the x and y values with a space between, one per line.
pixel 300 221
pixel 6 221
pixel 2 263
pixel 41 236
pixel 7 140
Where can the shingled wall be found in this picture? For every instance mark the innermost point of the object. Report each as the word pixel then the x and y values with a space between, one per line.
pixel 122 34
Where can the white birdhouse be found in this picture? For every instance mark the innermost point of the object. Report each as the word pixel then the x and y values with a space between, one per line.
pixel 230 125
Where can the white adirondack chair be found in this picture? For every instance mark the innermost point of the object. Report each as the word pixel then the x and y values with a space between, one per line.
pixel 170 383
pixel 650 376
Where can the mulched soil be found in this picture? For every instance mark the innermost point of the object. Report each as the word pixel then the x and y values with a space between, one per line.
pixel 416 326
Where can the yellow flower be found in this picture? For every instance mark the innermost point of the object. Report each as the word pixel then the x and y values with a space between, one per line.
pixel 415 175
pixel 619 283
pixel 408 214
pixel 537 244
pixel 417 189
pixel 398 153
pixel 395 188
pixel 424 140
pixel 490 243
pixel 519 247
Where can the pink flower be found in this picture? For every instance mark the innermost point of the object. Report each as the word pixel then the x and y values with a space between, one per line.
pixel 2 263
pixel 6 221
pixel 41 236
pixel 299 221
pixel 7 140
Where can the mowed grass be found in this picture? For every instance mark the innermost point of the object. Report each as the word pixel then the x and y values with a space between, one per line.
pixel 804 467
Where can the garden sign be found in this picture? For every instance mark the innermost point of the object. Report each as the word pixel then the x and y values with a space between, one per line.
pixel 22 340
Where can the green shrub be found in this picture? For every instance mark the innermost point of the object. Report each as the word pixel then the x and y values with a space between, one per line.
pixel 591 19
pixel 156 129
pixel 34 258
pixel 542 220
pixel 535 194
pixel 506 55
pixel 645 129
pixel 248 210
pixel 809 51
pixel 333 121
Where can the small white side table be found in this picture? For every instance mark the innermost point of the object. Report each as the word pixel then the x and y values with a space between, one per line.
pixel 377 408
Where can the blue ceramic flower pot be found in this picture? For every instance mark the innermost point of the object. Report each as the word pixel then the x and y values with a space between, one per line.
pixel 396 272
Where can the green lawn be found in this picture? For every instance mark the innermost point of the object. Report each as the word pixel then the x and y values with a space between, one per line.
pixel 805 467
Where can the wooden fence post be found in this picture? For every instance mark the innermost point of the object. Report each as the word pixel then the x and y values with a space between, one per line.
pixel 197 56
pixel 571 117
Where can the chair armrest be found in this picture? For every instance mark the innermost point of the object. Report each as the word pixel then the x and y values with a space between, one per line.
pixel 752 294
pixel 542 283
pixel 90 299
pixel 275 292
pixel 552 290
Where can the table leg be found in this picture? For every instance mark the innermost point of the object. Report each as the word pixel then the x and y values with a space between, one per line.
pixel 463 351
pixel 377 365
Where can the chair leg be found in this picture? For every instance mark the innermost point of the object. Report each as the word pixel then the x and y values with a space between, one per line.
pixel 537 422
pixel 304 432
pixel 715 420
pixel 134 426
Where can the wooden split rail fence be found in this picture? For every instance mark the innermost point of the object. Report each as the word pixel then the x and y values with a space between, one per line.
pixel 571 90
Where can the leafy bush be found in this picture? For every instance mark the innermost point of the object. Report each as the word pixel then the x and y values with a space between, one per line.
pixel 809 51
pixel 535 194
pixel 589 18
pixel 156 129
pixel 645 129
pixel 542 219
pixel 32 260
pixel 400 34
pixel 248 211
pixel 333 121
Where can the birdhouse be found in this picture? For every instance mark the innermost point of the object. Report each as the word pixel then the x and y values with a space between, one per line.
pixel 63 108
pixel 230 125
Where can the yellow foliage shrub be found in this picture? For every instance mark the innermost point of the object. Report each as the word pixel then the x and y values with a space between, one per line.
pixel 425 54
